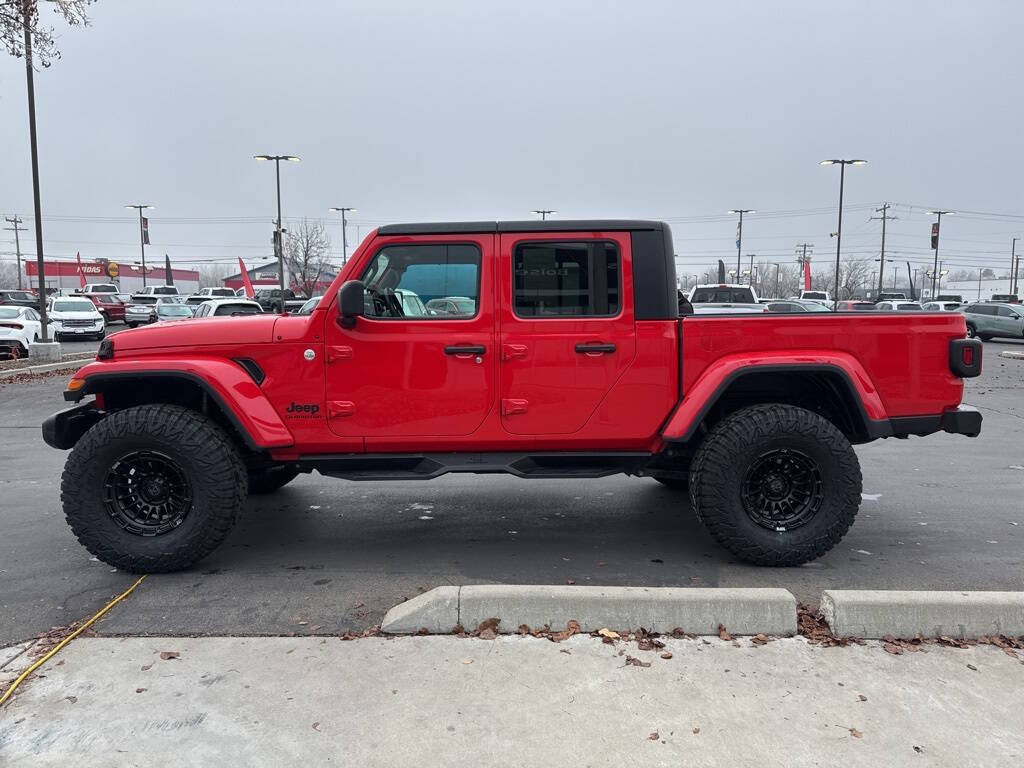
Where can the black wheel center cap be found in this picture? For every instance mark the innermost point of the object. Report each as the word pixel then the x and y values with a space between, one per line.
pixel 775 486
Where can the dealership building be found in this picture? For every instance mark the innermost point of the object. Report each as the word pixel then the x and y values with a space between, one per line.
pixel 66 275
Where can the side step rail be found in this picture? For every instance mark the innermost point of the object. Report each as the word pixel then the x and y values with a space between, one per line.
pixel 426 466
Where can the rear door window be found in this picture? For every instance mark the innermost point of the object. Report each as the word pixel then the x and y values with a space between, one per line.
pixel 566 279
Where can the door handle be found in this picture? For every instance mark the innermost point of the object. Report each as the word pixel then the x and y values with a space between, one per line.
pixel 511 406
pixel 467 350
pixel 595 349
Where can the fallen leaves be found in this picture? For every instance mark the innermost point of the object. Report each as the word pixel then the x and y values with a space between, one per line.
pixel 608 633
pixel 666 655
pixel 856 734
pixel 168 655
pixel 811 626
pixel 316 726
pixel 632 661
pixel 71 699
pixel 654 736
pixel 147 667
pixel 761 639
pixel 862 697
pixel 723 633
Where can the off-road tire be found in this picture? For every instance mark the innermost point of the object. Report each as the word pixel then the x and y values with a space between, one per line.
pixel 270 480
pixel 731 450
pixel 209 461
pixel 675 483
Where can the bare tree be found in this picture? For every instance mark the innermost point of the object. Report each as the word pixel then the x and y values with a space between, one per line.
pixel 212 275
pixel 44 46
pixel 8 274
pixel 305 253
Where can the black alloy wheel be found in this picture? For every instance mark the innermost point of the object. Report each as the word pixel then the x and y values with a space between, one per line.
pixel 147 493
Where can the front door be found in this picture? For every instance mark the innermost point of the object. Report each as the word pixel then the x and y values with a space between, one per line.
pixel 566 334
pixel 416 365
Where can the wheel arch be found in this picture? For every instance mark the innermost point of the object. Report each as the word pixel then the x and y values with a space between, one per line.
pixel 826 388
pixel 226 392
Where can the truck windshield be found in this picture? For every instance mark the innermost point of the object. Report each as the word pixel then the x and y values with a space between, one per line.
pixel 722 296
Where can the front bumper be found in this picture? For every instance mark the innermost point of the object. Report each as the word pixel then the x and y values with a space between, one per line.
pixel 62 429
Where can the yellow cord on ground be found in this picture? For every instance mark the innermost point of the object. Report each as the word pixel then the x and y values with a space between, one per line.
pixel 24 675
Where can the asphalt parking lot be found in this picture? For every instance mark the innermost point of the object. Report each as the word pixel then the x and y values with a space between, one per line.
pixel 324 556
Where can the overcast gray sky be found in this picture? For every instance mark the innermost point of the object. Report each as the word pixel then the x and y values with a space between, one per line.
pixel 453 109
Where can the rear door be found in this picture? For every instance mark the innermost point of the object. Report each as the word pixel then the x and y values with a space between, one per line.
pixel 566 331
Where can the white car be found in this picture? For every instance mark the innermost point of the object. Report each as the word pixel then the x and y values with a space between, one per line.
pixel 821 297
pixel 205 294
pixel 898 305
pixel 942 306
pixel 227 308
pixel 309 306
pixel 159 290
pixel 19 326
pixel 71 316
pixel 94 288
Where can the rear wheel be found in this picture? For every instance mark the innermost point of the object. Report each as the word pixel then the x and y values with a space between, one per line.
pixel 153 488
pixel 270 480
pixel 971 332
pixel 776 484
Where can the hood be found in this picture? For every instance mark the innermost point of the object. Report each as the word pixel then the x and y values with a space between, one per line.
pixel 73 315
pixel 205 332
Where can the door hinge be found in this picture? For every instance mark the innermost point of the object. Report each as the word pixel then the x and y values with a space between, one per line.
pixel 339 408
pixel 338 353
pixel 513 351
pixel 510 406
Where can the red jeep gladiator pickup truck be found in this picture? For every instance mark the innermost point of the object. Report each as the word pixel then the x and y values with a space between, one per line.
pixel 569 356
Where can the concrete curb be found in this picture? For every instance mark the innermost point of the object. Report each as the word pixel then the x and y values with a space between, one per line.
pixel 658 609
pixel 75 363
pixel 873 614
pixel 1012 355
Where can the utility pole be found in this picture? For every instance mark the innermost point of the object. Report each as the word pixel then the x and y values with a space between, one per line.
pixel 777 268
pixel 739 235
pixel 142 238
pixel 894 268
pixel 344 236
pixel 750 276
pixel 544 213
pixel 804 261
pixel 1014 264
pixel 15 221
pixel 884 210
pixel 936 227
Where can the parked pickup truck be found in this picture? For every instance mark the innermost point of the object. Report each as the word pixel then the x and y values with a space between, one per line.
pixel 724 298
pixel 278 300
pixel 574 363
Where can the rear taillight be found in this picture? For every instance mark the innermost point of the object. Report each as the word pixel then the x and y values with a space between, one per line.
pixel 965 357
pixel 15 326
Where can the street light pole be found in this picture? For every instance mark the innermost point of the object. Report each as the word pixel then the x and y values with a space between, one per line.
pixel 544 213
pixel 938 234
pixel 15 222
pixel 344 234
pixel 739 234
pixel 26 10
pixel 142 238
pixel 839 232
pixel 778 267
pixel 278 239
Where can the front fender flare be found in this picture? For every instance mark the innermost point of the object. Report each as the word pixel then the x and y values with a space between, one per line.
pixel 224 380
pixel 717 377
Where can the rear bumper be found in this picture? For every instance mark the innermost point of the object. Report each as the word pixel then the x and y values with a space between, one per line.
pixel 962 420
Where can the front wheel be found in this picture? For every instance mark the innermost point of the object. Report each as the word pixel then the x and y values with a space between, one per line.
pixel 153 488
pixel 776 484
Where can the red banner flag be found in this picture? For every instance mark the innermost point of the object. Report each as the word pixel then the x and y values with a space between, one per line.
pixel 807 274
pixel 249 292
pixel 81 272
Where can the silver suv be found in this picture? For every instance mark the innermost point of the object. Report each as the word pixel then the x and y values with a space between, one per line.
pixel 987 320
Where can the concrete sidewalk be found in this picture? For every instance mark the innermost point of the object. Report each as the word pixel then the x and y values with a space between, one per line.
pixel 438 701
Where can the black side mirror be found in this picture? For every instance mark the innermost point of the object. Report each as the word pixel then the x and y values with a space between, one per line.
pixel 350 303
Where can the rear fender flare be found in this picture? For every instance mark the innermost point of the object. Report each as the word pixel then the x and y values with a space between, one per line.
pixel 716 379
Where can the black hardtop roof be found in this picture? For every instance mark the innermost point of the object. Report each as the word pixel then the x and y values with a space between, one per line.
pixel 479 227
